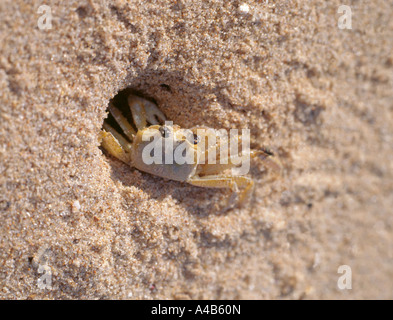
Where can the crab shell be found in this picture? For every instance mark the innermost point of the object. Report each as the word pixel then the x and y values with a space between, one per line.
pixel 150 137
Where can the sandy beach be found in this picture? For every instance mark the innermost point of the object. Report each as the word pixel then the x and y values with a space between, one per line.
pixel 76 223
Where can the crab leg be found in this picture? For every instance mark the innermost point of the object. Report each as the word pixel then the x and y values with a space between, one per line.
pixel 222 165
pixel 109 141
pixel 153 114
pixel 232 182
pixel 122 121
pixel 144 111
pixel 227 163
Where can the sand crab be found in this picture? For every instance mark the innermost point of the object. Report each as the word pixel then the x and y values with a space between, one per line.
pixel 129 145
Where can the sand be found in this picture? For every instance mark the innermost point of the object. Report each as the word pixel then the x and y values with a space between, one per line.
pixel 93 228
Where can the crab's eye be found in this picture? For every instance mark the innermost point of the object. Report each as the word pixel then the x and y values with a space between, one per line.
pixel 196 139
pixel 164 132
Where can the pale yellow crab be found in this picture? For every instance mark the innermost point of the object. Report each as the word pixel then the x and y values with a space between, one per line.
pixel 129 147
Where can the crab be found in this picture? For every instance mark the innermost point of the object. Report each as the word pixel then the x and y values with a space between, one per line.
pixel 129 144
